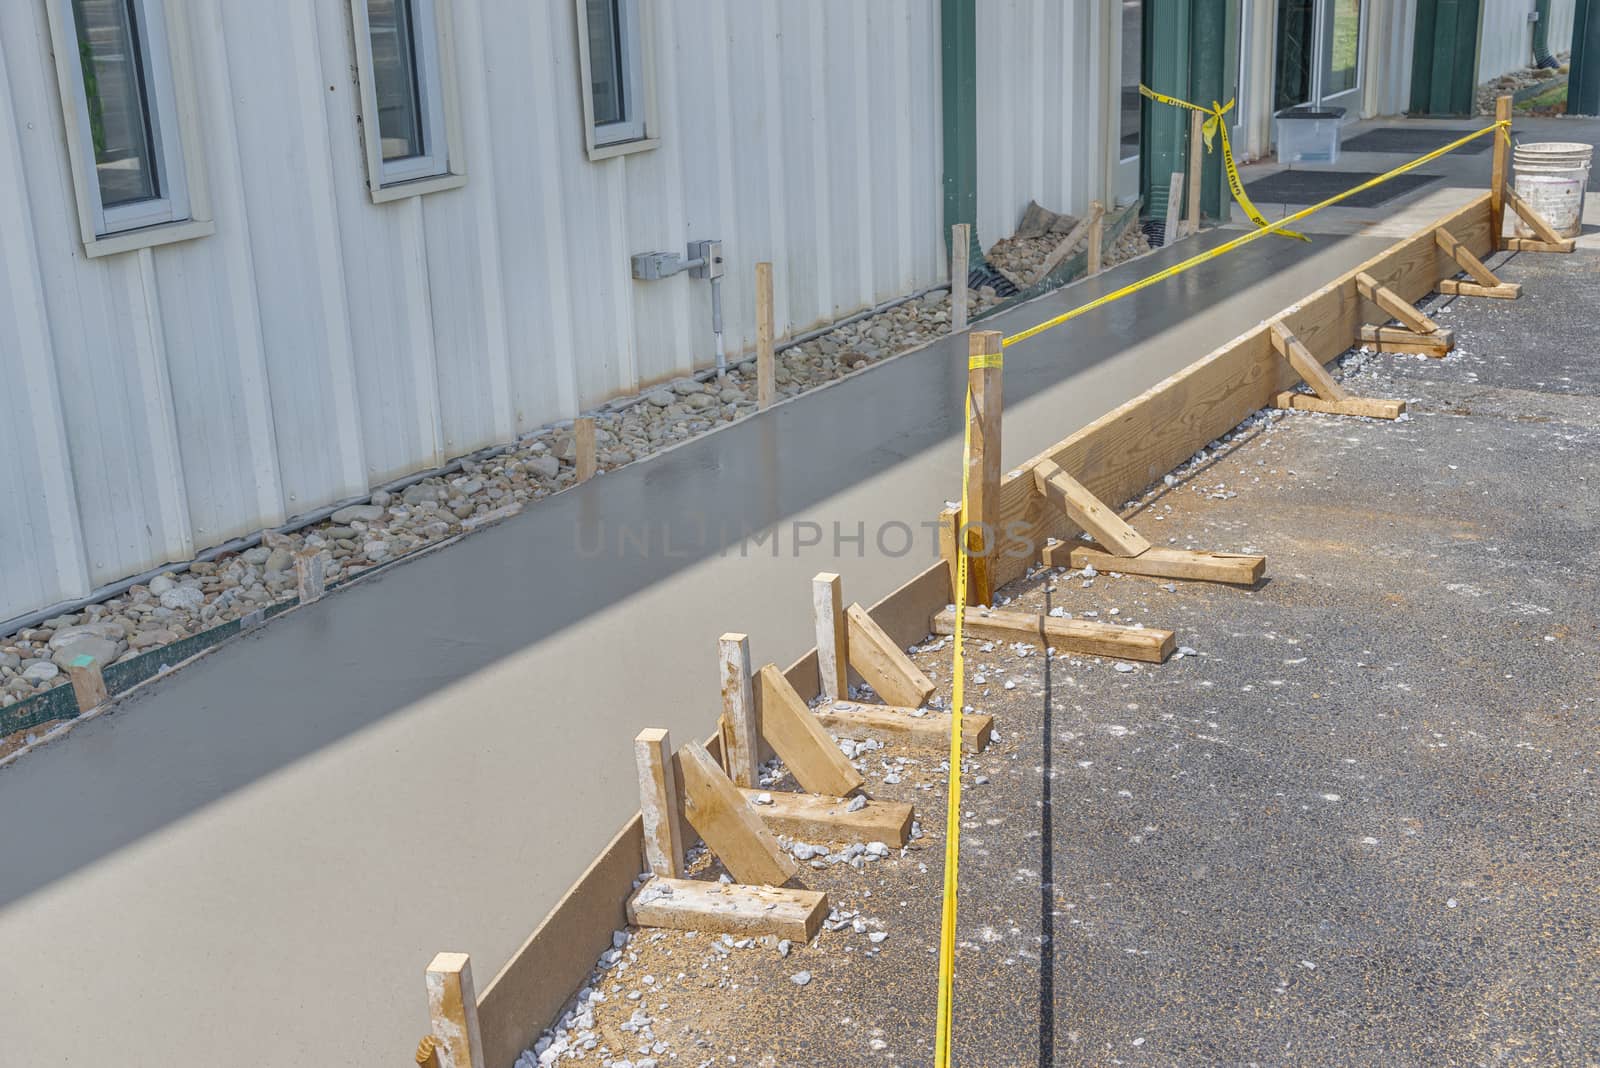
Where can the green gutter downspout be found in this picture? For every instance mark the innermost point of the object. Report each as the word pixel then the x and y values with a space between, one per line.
pixel 958 76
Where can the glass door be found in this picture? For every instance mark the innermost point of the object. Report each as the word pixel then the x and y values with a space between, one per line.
pixel 1131 111
pixel 1318 58
pixel 1340 71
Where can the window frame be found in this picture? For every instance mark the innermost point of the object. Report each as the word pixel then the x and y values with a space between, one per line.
pixel 182 211
pixel 443 162
pixel 639 132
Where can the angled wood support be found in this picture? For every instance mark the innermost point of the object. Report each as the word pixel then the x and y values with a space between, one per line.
pixel 1195 565
pixel 1066 244
pixel 715 808
pixel 658 802
pixel 741 731
pixel 1064 635
pixel 1331 397
pixel 453 1008
pixel 1395 306
pixel 1536 222
pixel 1086 510
pixel 912 727
pixel 832 819
pixel 1484 281
pixel 885 666
pixel 723 908
pixel 795 735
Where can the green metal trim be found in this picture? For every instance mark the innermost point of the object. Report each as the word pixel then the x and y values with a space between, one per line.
pixel 958 75
pixel 1583 92
pixel 1189 48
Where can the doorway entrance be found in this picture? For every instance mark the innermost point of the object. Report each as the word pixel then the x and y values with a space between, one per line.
pixel 1319 53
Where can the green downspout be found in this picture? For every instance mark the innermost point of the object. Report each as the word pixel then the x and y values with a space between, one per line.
pixel 958 51
pixel 1583 86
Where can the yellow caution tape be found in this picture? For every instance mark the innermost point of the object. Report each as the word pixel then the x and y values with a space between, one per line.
pixel 952 851
pixel 1214 126
pixel 952 818
pixel 983 362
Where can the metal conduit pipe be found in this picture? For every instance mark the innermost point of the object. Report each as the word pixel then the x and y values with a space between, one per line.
pixel 300 522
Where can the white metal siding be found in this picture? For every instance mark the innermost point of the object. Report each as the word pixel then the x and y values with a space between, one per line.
pixel 1505 41
pixel 163 401
pixel 1042 100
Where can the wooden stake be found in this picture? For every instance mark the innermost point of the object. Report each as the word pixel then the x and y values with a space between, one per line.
pixel 766 370
pixel 583 442
pixel 833 644
pixel 1488 284
pixel 1064 246
pixel 1087 510
pixel 960 251
pixel 1097 229
pixel 715 808
pixel 453 1008
pixel 1310 368
pixel 1172 229
pixel 981 529
pixel 1147 644
pixel 88 682
pixel 741 728
pixel 1497 176
pixel 658 802
pixel 885 666
pixel 310 574
pixel 795 735
pixel 718 908
pixel 1196 159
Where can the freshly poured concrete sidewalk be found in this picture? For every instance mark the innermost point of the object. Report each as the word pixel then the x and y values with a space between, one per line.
pixel 252 862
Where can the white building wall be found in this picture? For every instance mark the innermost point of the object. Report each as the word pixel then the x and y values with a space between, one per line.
pixel 1046 101
pixel 1505 39
pixel 160 402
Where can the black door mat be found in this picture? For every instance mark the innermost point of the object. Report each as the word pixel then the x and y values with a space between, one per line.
pixel 1415 140
pixel 1313 187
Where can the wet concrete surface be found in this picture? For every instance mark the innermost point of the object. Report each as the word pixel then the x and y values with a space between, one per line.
pixel 262 852
pixel 1358 826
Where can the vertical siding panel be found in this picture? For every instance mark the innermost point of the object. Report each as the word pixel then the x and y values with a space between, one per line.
pixel 147 341
pixel 41 546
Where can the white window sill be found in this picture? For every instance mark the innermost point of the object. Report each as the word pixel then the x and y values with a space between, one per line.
pixel 149 237
pixel 622 148
pixel 388 194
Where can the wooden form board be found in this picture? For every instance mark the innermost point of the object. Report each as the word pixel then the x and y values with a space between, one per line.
pixel 795 735
pixel 889 723
pixel 1124 451
pixel 831 819
pixel 1064 635
pixel 729 908
pixel 553 961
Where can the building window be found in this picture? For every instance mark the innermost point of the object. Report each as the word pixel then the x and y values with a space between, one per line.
pixel 614 59
pixel 405 73
pixel 134 162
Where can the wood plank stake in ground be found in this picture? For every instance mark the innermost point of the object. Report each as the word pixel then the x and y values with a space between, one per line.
pixel 88 682
pixel 1484 281
pixel 716 809
pixel 833 645
pixel 1172 228
pixel 1097 236
pixel 583 447
pixel 766 362
pixel 831 819
pixel 1497 176
pixel 885 666
pixel 740 727
pixel 904 726
pixel 1331 398
pixel 980 529
pixel 1196 158
pixel 721 908
pixel 658 802
pixel 1081 637
pixel 960 250
pixel 795 735
pixel 453 1008
pixel 310 574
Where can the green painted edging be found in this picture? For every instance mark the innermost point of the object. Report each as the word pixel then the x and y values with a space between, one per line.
pixel 58 703
pixel 1072 268
pixel 1528 92
pixel 958 88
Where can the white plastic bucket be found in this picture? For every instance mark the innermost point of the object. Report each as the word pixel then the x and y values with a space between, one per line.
pixel 1558 198
pixel 1551 177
